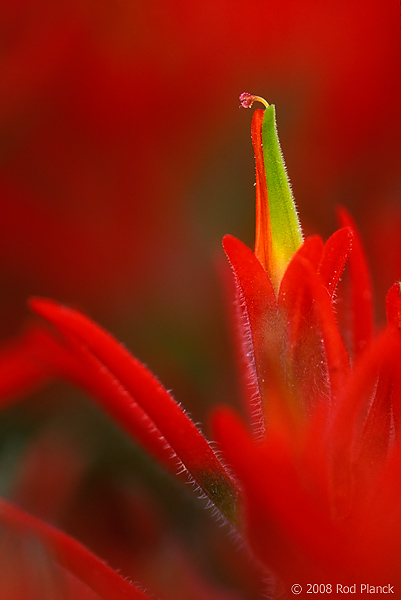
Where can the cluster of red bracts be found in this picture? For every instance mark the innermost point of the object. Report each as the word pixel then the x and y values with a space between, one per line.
pixel 319 473
pixel 313 481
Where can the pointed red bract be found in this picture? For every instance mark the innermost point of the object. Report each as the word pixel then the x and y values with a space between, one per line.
pixel 335 255
pixel 282 343
pixel 361 289
pixel 294 296
pixel 302 356
pixel 256 307
pixel 301 284
pixel 311 250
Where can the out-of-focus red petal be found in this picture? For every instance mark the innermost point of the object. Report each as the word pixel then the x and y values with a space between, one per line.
pixel 372 445
pixel 393 306
pixel 71 555
pixel 361 289
pixel 354 409
pixel 49 474
pixel 180 432
pixel 256 310
pixel 20 372
pixel 287 527
pixel 335 254
pixel 393 310
pixel 386 530
pixel 355 398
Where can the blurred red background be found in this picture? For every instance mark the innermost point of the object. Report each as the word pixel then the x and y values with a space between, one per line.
pixel 124 158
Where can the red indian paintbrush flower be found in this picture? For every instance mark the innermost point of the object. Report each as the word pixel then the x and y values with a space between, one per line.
pixel 313 485
pixel 320 472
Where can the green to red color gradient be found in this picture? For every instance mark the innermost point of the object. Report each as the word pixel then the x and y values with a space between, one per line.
pixel 309 475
